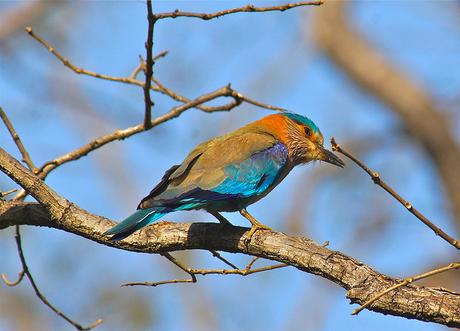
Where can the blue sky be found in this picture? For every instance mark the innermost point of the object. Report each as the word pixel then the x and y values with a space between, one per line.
pixel 269 57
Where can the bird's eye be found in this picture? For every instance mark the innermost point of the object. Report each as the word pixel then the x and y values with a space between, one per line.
pixel 307 131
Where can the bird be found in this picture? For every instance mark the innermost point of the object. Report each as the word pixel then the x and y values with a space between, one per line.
pixel 230 172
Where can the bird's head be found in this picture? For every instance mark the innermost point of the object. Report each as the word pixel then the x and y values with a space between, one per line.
pixel 304 140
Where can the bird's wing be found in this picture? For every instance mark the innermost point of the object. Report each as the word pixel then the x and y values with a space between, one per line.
pixel 240 165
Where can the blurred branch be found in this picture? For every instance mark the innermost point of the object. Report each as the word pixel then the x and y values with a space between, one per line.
pixel 13 20
pixel 38 293
pixel 4 194
pixel 422 303
pixel 406 281
pixel 244 9
pixel 378 181
pixel 417 111
pixel 193 272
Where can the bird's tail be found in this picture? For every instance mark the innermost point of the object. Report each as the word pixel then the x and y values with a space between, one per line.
pixel 134 222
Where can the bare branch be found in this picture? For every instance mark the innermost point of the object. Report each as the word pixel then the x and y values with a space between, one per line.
pixel 422 303
pixel 78 70
pixel 16 282
pixel 405 282
pixel 378 181
pixel 238 99
pixel 25 155
pixel 218 256
pixel 149 66
pixel 244 9
pixel 193 272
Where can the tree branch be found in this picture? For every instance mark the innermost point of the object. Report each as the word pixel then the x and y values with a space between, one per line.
pixel 244 9
pixel 151 19
pixel 422 303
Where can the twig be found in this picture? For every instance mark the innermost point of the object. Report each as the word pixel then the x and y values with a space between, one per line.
pixel 193 272
pixel 16 282
pixel 244 9
pixel 378 181
pixel 238 99
pixel 406 281
pixel 220 257
pixel 25 155
pixel 4 194
pixel 149 66
pixel 141 66
pixel 68 64
pixel 26 271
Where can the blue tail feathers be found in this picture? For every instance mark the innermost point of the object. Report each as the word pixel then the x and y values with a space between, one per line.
pixel 134 222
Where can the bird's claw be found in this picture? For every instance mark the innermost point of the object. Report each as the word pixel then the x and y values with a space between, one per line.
pixel 254 229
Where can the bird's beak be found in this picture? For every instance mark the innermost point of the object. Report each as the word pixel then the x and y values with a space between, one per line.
pixel 329 157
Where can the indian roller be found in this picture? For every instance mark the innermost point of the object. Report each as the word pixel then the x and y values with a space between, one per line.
pixel 231 172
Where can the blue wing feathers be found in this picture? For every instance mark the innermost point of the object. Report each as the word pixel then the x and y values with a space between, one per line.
pixel 254 175
pixel 243 179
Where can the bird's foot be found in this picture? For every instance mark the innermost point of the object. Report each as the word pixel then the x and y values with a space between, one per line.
pixel 254 229
pixel 256 225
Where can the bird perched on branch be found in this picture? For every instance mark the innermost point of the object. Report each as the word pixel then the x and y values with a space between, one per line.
pixel 228 173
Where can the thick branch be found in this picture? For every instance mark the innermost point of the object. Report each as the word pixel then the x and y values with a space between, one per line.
pixel 361 282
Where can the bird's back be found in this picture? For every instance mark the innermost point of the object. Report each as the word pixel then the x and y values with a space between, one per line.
pixel 238 166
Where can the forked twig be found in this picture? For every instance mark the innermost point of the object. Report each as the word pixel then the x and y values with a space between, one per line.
pixel 406 281
pixel 193 272
pixel 378 181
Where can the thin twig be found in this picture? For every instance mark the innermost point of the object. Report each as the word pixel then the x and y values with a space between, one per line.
pixel 158 88
pixel 26 271
pixel 244 9
pixel 149 66
pixel 193 272
pixel 25 155
pixel 78 70
pixel 141 66
pixel 4 194
pixel 220 257
pixel 238 99
pixel 16 282
pixel 378 181
pixel 406 281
